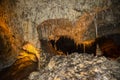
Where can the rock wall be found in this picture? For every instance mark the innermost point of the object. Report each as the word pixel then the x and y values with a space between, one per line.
pixel 24 16
pixel 9 46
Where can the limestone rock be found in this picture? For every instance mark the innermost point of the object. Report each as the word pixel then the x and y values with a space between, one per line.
pixel 80 67
pixel 8 46
pixel 27 62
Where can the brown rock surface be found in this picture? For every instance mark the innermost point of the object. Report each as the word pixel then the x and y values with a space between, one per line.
pixel 27 62
pixel 8 46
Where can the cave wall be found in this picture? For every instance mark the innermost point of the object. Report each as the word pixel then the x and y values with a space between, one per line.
pixel 9 46
pixel 24 16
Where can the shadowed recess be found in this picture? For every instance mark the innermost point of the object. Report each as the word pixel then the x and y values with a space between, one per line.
pixel 26 62
pixel 109 45
pixel 67 45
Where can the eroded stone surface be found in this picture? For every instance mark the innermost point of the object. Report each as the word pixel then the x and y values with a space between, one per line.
pixel 24 16
pixel 8 46
pixel 27 62
pixel 79 67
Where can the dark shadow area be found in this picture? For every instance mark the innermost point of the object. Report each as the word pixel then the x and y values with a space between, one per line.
pixel 68 46
pixel 89 48
pixel 1 1
pixel 19 70
pixel 109 45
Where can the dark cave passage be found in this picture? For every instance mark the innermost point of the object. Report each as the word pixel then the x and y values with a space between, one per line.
pixel 68 46
pixel 109 45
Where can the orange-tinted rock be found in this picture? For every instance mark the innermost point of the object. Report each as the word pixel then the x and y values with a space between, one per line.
pixel 8 46
pixel 47 29
pixel 27 62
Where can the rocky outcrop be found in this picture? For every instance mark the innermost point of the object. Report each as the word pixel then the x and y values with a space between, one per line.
pixel 9 46
pixel 49 28
pixel 108 21
pixel 78 67
pixel 26 62
pixel 23 17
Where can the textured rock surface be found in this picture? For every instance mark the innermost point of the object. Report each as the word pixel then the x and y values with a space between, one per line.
pixel 25 16
pixel 8 46
pixel 108 21
pixel 78 67
pixel 26 62
pixel 54 28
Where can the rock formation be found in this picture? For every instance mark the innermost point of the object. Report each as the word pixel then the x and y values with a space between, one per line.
pixel 9 46
pixel 21 19
pixel 26 62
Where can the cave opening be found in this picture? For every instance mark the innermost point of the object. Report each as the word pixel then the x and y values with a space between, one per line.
pixel 68 46
pixel 108 44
